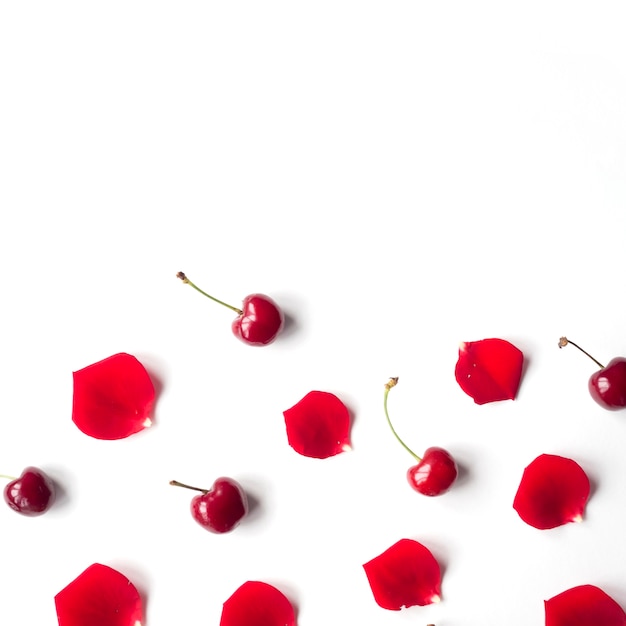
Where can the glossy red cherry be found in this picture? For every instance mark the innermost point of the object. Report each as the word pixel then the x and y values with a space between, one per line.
pixel 406 574
pixel 435 471
pixel 100 596
pixel 33 493
pixel 489 370
pixel 258 321
pixel 607 386
pixel 585 605
pixel 256 603
pixel 220 508
pixel 553 491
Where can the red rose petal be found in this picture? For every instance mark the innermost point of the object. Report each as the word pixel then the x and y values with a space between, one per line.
pixel 584 606
pixel 489 370
pixel 318 426
pixel 113 398
pixel 406 574
pixel 257 604
pixel 100 596
pixel 553 491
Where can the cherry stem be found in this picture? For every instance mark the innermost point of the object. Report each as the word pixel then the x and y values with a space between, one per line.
pixel 184 278
pixel 9 477
pixel 177 484
pixel 563 341
pixel 392 383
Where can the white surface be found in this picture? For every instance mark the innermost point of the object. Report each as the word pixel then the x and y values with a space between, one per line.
pixel 400 176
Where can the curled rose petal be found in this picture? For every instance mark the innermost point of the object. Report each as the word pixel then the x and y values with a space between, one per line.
pixel 406 574
pixel 553 491
pixel 318 426
pixel 113 398
pixel 257 604
pixel 585 605
pixel 489 370
pixel 100 596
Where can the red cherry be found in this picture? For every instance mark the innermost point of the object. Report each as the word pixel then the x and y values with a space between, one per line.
pixel 435 471
pixel 257 603
pixel 553 491
pixel 404 575
pixel 220 508
pixel 607 386
pixel 489 370
pixel 585 605
pixel 100 596
pixel 258 321
pixel 318 426
pixel 31 494
pixel 113 398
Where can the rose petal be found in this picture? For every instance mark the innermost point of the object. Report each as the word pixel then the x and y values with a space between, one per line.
pixel 489 370
pixel 318 426
pixel 406 574
pixel 584 606
pixel 257 604
pixel 553 491
pixel 113 398
pixel 100 596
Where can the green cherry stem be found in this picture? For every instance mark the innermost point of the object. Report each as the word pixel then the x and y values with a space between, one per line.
pixel 8 477
pixel 175 483
pixel 392 383
pixel 563 341
pixel 184 278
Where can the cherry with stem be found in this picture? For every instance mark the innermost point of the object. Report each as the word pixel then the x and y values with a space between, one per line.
pixel 607 386
pixel 435 471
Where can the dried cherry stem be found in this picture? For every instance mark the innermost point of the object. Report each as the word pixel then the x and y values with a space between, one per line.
pixel 563 341
pixel 392 383
pixel 184 278
pixel 177 484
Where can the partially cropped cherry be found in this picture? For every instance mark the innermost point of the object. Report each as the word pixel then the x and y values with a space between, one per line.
pixel 220 508
pixel 607 386
pixel 258 321
pixel 435 471
pixel 31 494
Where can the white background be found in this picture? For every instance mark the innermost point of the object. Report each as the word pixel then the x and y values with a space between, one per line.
pixel 400 177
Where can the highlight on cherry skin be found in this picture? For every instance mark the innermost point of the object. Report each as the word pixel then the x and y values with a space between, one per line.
pixel 436 469
pixel 219 509
pixel 30 494
pixel 607 386
pixel 258 321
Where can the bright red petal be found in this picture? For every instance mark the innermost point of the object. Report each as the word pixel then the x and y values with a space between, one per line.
pixel 489 370
pixel 113 398
pixel 318 426
pixel 584 606
pixel 406 574
pixel 257 604
pixel 100 596
pixel 553 491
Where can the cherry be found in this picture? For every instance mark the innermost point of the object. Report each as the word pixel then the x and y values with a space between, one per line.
pixel 607 386
pixel 31 494
pixel 435 471
pixel 258 321
pixel 220 508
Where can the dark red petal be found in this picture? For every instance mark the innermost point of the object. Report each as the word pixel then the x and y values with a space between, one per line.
pixel 257 604
pixel 584 606
pixel 318 426
pixel 489 370
pixel 553 491
pixel 113 398
pixel 100 596
pixel 406 574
